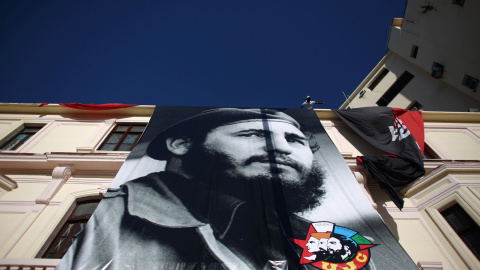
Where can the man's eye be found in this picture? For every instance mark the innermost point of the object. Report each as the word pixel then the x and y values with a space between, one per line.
pixel 259 135
pixel 293 140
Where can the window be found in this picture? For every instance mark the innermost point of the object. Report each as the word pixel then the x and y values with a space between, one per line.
pixel 415 106
pixel 458 2
pixel 429 153
pixel 470 82
pixel 378 79
pixel 123 137
pixel 20 138
pixel 414 51
pixel 362 93
pixel 396 87
pixel 464 226
pixel 437 70
pixel 71 229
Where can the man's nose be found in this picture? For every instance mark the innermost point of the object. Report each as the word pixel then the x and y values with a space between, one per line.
pixel 279 144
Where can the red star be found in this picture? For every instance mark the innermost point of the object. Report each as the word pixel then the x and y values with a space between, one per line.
pixel 302 243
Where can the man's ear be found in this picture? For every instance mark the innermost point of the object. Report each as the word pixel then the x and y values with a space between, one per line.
pixel 179 145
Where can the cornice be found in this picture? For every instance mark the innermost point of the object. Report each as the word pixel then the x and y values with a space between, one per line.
pixel 447 167
pixel 85 163
pixel 352 164
pixel 6 183
pixel 428 116
pixel 33 108
pixel 458 117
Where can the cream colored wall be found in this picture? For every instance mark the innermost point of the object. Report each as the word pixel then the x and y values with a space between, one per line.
pixel 433 94
pixel 447 185
pixel 63 134
pixel 454 142
pixel 418 243
pixel 28 225
pixel 18 209
pixel 47 221
pixel 443 35
pixel 65 137
pixel 5 127
pixel 33 212
pixel 455 66
pixel 9 128
pixel 48 185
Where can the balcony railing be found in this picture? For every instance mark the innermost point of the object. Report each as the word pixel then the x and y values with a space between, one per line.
pixel 28 264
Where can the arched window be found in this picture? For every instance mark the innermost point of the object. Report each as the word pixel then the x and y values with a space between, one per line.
pixel 71 229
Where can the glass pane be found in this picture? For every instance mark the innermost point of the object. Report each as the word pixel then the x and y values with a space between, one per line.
pixel 137 128
pixel 114 138
pixel 458 219
pixel 125 147
pixel 477 251
pixel 57 246
pixel 131 138
pixel 79 229
pixel 67 230
pixel 122 128
pixel 31 129
pixel 472 238
pixel 108 147
pixel 68 245
pixel 12 145
pixel 85 209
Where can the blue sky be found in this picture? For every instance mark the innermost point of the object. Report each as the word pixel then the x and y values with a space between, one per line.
pixel 249 53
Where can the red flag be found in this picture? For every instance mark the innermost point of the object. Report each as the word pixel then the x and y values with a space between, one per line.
pixel 93 107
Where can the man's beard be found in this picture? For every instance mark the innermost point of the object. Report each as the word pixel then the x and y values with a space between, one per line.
pixel 296 196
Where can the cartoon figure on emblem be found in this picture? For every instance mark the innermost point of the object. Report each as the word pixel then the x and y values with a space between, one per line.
pixel 327 245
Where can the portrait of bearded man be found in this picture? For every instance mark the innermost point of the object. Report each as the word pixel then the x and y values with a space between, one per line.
pixel 219 188
pixel 228 175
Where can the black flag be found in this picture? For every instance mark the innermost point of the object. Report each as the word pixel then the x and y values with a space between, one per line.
pixel 395 131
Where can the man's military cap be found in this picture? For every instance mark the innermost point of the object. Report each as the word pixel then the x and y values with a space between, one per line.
pixel 207 120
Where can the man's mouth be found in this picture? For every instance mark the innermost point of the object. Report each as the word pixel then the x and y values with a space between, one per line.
pixel 277 162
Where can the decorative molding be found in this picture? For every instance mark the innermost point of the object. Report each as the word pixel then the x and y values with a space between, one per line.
pixel 85 149
pixel 362 180
pixel 353 164
pixel 425 265
pixel 460 249
pixel 85 163
pixel 440 172
pixel 395 213
pixel 103 188
pixel 28 263
pixel 7 183
pixel 16 203
pixel 57 219
pixel 59 177
pixel 437 236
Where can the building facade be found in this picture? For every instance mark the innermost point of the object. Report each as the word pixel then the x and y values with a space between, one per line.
pixel 56 163
pixel 51 167
pixel 432 63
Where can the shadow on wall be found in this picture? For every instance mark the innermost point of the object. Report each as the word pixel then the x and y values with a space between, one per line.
pixel 380 197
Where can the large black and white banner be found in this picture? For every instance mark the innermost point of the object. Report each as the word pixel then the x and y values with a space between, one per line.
pixel 228 188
